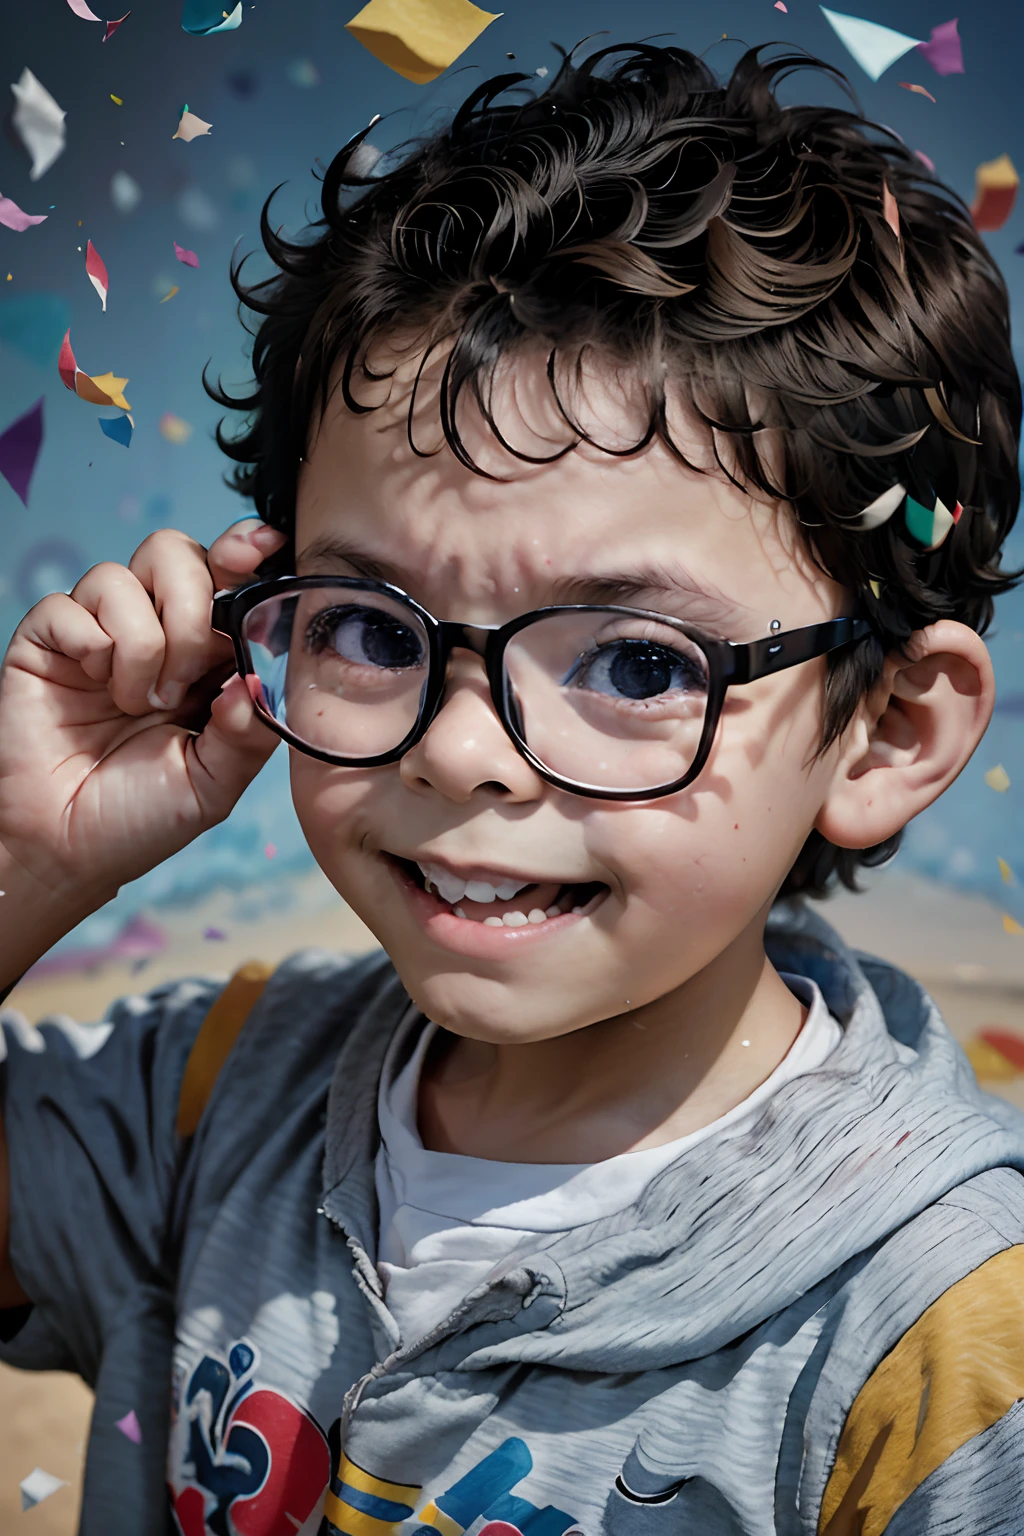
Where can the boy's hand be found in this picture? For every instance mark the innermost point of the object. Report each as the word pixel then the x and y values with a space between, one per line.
pixel 101 692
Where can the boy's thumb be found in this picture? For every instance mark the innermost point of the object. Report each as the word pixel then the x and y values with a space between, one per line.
pixel 230 751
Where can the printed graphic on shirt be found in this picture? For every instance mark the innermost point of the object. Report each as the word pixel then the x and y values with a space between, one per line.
pixel 250 1461
pixel 359 1504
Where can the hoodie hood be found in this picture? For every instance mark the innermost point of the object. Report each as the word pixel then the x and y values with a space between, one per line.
pixel 740 1226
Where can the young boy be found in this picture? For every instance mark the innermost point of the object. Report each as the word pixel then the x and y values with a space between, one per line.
pixel 635 461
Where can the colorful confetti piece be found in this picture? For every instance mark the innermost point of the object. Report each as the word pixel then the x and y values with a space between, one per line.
pixel 12 217
pixel 187 258
pixel 174 428
pixel 995 192
pixel 97 273
pixel 19 450
pixel 418 39
pixel 998 779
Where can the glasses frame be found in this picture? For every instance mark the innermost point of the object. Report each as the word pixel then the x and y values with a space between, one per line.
pixel 730 664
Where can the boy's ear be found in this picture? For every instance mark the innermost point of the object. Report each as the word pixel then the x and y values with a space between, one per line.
pixel 913 733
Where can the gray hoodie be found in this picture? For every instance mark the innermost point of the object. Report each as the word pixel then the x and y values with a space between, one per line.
pixel 806 1324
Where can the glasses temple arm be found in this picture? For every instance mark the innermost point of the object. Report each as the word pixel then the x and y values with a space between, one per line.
pixel 777 652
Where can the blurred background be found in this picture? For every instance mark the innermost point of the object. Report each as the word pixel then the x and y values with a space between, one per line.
pixel 283 92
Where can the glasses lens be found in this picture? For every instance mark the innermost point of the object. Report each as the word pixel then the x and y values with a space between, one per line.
pixel 343 669
pixel 608 700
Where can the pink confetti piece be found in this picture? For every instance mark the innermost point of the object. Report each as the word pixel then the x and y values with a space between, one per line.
pixel 130 1427
pixel 214 933
pixel 112 26
pixel 943 50
pixel 97 273
pixel 925 160
pixel 890 210
pixel 918 90
pixel 81 9
pixel 12 217
pixel 187 258
pixel 780 7
pixel 271 851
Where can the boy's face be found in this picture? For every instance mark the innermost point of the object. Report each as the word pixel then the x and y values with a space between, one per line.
pixel 686 879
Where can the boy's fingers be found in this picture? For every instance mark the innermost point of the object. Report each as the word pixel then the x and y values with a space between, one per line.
pixel 230 752
pixel 63 627
pixel 172 567
pixel 122 607
pixel 238 551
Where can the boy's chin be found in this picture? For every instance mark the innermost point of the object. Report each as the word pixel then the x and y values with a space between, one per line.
pixel 493 1012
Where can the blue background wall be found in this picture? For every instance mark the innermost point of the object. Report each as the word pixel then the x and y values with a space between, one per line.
pixel 92 499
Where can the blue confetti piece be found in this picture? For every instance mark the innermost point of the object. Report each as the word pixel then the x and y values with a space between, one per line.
pixel 119 428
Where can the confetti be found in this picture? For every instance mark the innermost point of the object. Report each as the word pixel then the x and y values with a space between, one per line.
pixel 187 258
pixel 39 123
pixel 19 450
pixel 39 1485
pixel 918 90
pixel 98 389
pixel 995 192
pixel 130 1427
pixel 33 326
pixel 271 850
pixel 174 429
pixel 201 18
pixel 874 47
pixel 1010 924
pixel 943 51
pixel 928 163
pixel 125 192
pixel 170 294
pixel 81 9
pixel 543 72
pixel 218 933
pixel 190 127
pixel 97 273
pixel 112 26
pixel 1009 878
pixel 780 7
pixel 418 39
pixel 988 1063
pixel 930 528
pixel 117 100
pixel 12 217
pixel 1008 1045
pixel 998 779
pixel 890 210
pixel 303 73
pixel 876 590
pixel 118 428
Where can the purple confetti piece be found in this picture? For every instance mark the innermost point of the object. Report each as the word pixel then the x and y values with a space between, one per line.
pixel 15 218
pixel 19 450
pixel 130 1427
pixel 187 258
pixel 943 51
pixel 214 933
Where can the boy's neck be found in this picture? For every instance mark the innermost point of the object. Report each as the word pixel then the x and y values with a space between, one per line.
pixel 638 1080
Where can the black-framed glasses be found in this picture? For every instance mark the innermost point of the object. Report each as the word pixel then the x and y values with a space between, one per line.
pixel 610 702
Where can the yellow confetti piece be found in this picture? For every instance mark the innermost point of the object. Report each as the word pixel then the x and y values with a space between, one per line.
pixel 998 779
pixel 117 100
pixel 174 428
pixel 1011 925
pixel 876 589
pixel 995 191
pixel 988 1063
pixel 418 39
pixel 170 295
pixel 1007 873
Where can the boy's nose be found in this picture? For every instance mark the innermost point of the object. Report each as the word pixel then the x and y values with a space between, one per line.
pixel 466 748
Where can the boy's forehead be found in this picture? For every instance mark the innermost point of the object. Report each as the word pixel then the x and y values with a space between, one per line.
pixel 586 510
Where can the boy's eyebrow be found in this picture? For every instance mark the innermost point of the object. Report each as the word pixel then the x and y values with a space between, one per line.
pixel 656 580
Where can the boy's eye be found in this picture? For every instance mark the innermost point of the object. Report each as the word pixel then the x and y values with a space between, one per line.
pixel 637 669
pixel 366 636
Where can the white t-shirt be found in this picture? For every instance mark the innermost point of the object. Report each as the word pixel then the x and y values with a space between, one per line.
pixel 447 1221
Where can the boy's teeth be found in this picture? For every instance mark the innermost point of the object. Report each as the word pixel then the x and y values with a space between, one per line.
pixel 453 888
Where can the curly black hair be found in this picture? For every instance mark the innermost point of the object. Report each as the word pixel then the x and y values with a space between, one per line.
pixel 822 302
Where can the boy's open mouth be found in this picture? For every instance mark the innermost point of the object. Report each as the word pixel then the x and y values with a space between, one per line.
pixel 501 901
